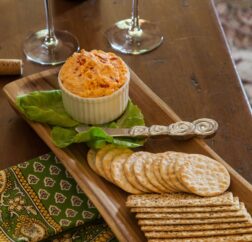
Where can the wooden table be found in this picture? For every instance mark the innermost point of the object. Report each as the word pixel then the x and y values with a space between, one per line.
pixel 192 71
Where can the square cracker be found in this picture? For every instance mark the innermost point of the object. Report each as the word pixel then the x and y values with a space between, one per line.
pixel 233 238
pixel 193 221
pixel 239 213
pixel 195 234
pixel 189 227
pixel 234 207
pixel 178 200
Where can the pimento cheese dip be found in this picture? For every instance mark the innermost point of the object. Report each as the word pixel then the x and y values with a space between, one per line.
pixel 93 74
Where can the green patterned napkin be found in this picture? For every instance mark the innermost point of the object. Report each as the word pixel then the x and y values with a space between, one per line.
pixel 40 200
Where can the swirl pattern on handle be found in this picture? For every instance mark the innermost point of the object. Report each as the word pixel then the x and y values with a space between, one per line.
pixel 139 131
pixel 205 126
pixel 158 129
pixel 181 128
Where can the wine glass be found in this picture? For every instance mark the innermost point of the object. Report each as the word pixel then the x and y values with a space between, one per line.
pixel 49 46
pixel 134 36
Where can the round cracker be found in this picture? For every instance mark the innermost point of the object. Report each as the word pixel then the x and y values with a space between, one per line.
pixel 107 159
pixel 149 172
pixel 165 166
pixel 99 157
pixel 178 160
pixel 156 171
pixel 91 159
pixel 139 172
pixel 129 171
pixel 165 162
pixel 118 175
pixel 204 176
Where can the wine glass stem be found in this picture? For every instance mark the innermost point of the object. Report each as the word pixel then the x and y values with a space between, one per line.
pixel 134 32
pixel 135 16
pixel 50 39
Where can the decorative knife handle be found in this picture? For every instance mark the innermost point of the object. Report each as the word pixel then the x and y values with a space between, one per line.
pixel 182 130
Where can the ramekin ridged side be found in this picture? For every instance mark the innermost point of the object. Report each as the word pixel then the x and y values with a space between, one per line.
pixel 98 110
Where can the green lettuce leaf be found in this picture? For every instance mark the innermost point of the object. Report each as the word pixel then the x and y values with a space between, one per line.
pixel 47 107
pixel 63 137
pixel 131 117
pixel 95 137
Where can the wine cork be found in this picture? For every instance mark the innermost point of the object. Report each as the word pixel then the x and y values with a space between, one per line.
pixel 11 67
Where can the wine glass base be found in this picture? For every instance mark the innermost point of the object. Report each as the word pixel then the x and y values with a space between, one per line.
pixel 36 51
pixel 149 38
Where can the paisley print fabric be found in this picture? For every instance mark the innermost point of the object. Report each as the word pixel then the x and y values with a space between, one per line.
pixel 40 201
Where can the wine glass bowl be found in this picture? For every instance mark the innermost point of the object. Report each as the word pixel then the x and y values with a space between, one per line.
pixel 137 41
pixel 134 36
pixel 42 49
pixel 49 46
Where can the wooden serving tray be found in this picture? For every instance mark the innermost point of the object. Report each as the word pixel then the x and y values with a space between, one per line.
pixel 109 199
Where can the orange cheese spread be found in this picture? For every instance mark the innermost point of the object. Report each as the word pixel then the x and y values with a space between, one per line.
pixel 93 74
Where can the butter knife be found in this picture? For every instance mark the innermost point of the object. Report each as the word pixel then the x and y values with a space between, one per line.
pixel 202 128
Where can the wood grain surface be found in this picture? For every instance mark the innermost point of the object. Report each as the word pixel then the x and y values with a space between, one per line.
pixel 191 71
pixel 109 199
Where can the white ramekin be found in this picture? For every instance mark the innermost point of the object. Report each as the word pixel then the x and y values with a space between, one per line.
pixel 98 110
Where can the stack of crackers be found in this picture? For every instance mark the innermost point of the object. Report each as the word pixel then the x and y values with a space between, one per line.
pixel 187 217
pixel 189 201
pixel 168 172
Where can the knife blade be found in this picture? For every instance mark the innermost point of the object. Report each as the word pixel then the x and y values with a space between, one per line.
pixel 202 128
pixel 115 132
